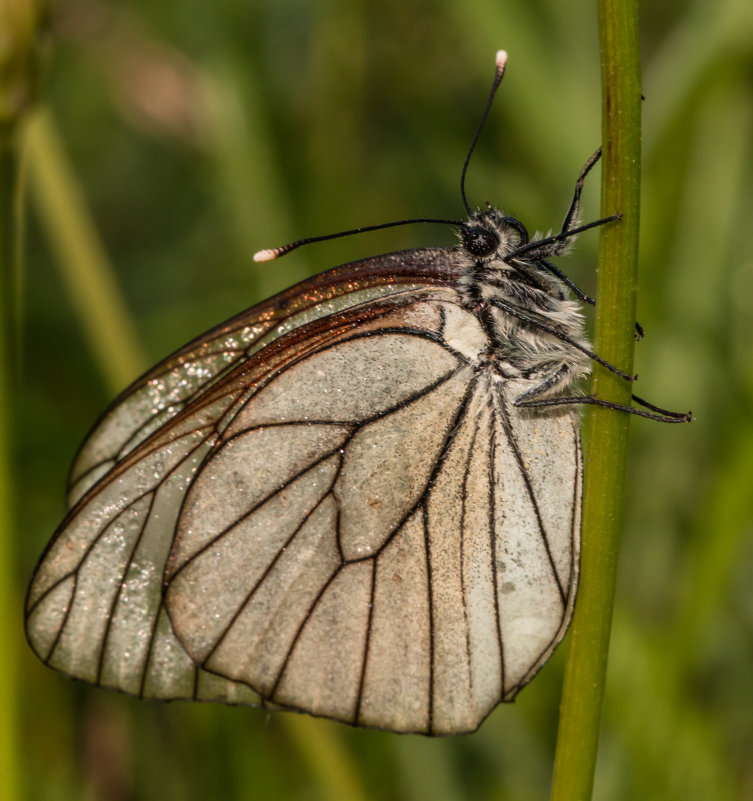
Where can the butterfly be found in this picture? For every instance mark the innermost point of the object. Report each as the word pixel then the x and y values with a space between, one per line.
pixel 358 499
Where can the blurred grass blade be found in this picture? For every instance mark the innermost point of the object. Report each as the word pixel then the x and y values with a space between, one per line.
pixel 113 340
pixel 606 451
pixel 247 174
pixel 709 34
pixel 10 619
pixel 19 70
pixel 81 256
pixel 319 744
pixel 429 769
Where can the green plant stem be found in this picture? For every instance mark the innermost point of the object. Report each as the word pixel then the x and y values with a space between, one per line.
pixel 606 452
pixel 10 618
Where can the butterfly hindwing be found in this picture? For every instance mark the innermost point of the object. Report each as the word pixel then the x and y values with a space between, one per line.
pixel 369 544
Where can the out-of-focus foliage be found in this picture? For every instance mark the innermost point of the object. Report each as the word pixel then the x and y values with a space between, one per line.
pixel 201 132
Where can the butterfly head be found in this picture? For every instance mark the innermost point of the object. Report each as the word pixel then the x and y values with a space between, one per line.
pixel 490 235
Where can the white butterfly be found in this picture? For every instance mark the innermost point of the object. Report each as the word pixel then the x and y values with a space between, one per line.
pixel 359 499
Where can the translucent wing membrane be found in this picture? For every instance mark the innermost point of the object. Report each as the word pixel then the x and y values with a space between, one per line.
pixel 257 546
pixel 169 387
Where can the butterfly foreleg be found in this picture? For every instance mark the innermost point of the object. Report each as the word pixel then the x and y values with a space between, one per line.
pixel 579 293
pixel 571 218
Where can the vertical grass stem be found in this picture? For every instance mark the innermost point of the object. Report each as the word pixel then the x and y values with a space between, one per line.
pixel 606 451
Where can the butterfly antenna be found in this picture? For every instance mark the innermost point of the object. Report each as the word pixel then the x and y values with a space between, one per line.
pixel 499 71
pixel 275 253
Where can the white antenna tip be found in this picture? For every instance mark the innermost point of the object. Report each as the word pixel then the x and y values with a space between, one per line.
pixel 501 59
pixel 265 255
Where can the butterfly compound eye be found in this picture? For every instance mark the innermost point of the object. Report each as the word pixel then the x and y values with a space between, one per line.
pixel 479 241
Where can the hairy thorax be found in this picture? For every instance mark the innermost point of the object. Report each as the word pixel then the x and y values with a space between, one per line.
pixel 527 318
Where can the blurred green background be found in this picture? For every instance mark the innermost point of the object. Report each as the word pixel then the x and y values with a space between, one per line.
pixel 200 132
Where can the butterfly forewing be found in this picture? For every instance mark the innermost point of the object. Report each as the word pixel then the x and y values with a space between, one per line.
pixel 95 605
pixel 95 600
pixel 173 384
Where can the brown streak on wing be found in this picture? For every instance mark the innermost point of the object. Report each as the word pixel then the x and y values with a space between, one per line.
pixel 430 267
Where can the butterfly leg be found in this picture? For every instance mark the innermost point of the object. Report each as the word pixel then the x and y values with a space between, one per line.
pixel 557 244
pixel 560 376
pixel 682 416
pixel 514 311
pixel 579 293
pixel 574 288
pixel 590 400
pixel 571 218
pixel 561 242
pixel 532 399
